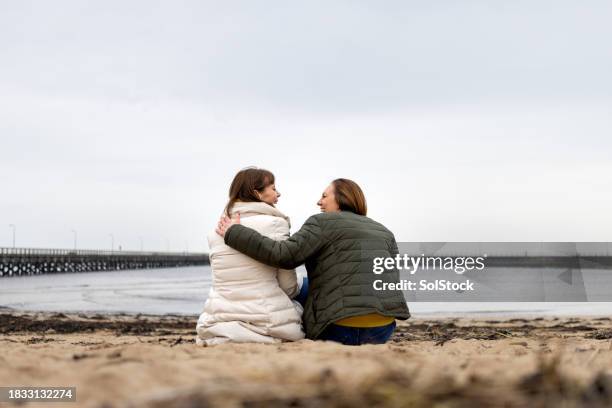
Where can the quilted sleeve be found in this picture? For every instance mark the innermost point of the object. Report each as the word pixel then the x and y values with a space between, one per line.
pixel 286 254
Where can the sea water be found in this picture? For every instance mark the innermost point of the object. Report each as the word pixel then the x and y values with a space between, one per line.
pixel 184 291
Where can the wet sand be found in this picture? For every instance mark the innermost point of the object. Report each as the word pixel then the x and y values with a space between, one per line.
pixel 152 361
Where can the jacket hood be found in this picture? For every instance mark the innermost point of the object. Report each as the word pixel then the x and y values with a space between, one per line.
pixel 257 208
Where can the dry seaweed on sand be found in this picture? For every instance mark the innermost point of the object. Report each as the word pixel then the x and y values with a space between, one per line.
pixel 443 332
pixel 604 334
pixel 62 324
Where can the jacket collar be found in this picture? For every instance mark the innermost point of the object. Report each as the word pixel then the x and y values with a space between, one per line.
pixel 256 208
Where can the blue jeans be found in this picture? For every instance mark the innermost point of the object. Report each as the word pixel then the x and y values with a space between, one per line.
pixel 355 336
pixel 301 297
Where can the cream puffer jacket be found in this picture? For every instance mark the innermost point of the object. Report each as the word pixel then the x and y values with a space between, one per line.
pixel 250 301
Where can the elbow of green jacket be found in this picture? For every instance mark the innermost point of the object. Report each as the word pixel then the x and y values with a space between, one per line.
pixel 288 264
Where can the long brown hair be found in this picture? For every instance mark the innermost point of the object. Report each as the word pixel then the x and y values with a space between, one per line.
pixel 349 196
pixel 244 185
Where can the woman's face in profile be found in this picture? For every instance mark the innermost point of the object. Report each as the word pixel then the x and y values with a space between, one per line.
pixel 269 195
pixel 328 200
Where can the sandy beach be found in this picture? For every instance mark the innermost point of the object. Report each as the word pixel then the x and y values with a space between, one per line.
pixel 152 361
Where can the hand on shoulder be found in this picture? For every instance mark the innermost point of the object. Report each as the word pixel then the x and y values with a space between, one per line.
pixel 225 223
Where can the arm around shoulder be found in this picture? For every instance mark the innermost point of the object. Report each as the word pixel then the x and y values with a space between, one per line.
pixel 286 254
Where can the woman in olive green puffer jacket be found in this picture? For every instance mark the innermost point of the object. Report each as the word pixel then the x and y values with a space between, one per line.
pixel 337 247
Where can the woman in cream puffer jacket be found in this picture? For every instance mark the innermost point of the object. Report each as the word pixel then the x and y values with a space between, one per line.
pixel 250 301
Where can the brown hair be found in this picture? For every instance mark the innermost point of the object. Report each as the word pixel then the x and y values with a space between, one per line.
pixel 244 185
pixel 349 196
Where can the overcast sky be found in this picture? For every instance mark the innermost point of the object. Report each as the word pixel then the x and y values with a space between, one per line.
pixel 462 121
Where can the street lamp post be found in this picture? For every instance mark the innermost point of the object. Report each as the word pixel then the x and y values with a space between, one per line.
pixel 75 239
pixel 141 244
pixel 112 237
pixel 14 228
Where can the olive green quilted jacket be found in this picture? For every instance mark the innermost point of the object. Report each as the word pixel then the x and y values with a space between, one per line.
pixel 337 249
